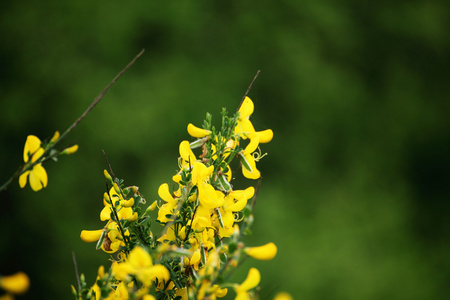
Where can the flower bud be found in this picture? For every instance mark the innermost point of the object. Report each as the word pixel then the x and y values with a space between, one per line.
pixel 55 137
pixel 116 188
pixel 152 206
pixel 74 291
pixel 107 176
pixel 70 150
pixel 133 217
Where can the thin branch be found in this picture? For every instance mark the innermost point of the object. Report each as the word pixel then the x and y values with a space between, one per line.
pixel 101 95
pixel 249 88
pixel 256 193
pixel 76 271
pixel 109 166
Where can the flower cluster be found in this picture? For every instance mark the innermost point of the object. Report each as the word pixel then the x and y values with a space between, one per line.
pixel 203 222
pixel 34 155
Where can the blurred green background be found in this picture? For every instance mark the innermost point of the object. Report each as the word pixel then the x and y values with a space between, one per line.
pixel 355 187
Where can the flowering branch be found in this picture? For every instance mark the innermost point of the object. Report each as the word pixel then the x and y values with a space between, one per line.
pixel 38 154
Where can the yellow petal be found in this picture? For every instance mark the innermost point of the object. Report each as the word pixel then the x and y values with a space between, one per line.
pixel 200 172
pixel 186 153
pixel 254 142
pixel 32 144
pixel 23 179
pixel 243 128
pixel 164 193
pixel 283 296
pixel 208 197
pixel 37 154
pixel 38 178
pixel 105 214
pixel 133 217
pixel 246 108
pixel 90 236
pixel 253 173
pixel 265 136
pixel 128 203
pixel 138 257
pixel 265 252
pixel 251 281
pixel 17 283
pixel 197 132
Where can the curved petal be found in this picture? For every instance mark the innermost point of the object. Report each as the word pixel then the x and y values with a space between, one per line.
pixel 197 132
pixel 252 280
pixel 246 108
pixel 105 214
pixel 32 144
pixel 37 154
pixel 265 252
pixel 265 136
pixel 23 179
pixel 244 128
pixel 254 143
pixel 38 178
pixel 139 258
pixel 186 152
pixel 17 283
pixel 164 193
pixel 90 236
pixel 251 173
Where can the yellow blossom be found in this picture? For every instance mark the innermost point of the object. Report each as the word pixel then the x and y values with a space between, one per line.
pixel 249 283
pixel 283 296
pixel 265 252
pixel 37 175
pixel 17 283
pixel 139 264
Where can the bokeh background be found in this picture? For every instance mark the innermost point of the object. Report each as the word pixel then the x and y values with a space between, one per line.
pixel 355 187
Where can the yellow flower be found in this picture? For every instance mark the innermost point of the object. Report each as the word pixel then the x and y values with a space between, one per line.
pixel 110 237
pixel 283 296
pixel 265 252
pixel 249 283
pixel 139 264
pixel 244 129
pixel 207 195
pixel 17 283
pixel 124 208
pixel 168 207
pixel 38 175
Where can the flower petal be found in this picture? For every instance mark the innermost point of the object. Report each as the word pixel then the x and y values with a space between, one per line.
pixel 251 281
pixel 246 108
pixel 265 136
pixel 197 132
pixel 164 193
pixel 32 144
pixel 17 283
pixel 186 153
pixel 90 236
pixel 265 252
pixel 38 178
pixel 23 179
